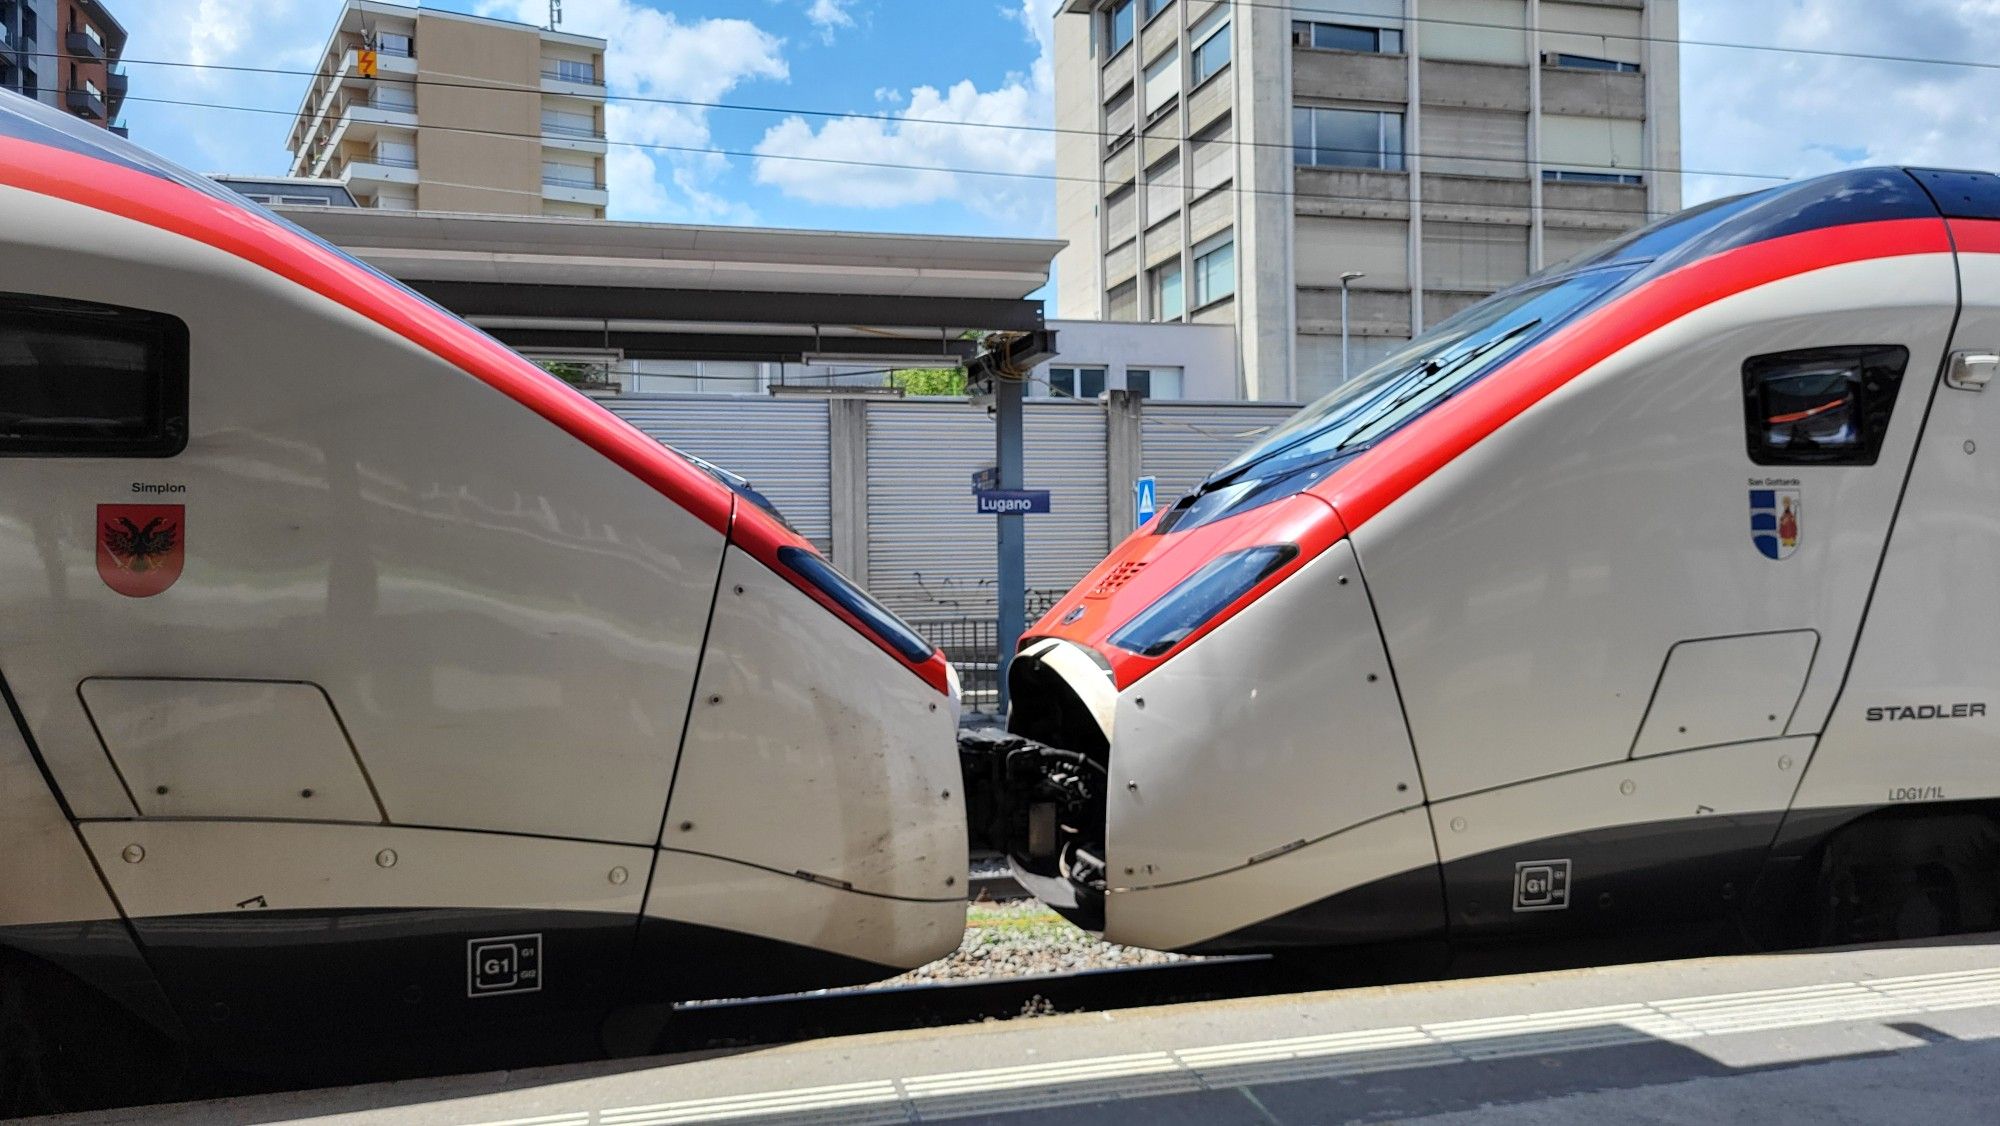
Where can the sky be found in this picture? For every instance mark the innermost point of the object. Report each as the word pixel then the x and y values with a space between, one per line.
pixel 826 87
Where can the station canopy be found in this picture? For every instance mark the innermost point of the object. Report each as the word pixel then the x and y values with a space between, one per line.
pixel 596 288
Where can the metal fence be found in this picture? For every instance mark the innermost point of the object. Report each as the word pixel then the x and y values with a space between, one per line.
pixel 973 645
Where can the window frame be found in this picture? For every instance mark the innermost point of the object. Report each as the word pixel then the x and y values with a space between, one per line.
pixel 1129 10
pixel 166 339
pixel 1584 176
pixel 1198 43
pixel 1382 134
pixel 1156 279
pixel 1201 297
pixel 1311 28
pixel 1151 9
pixel 1570 60
pixel 1882 368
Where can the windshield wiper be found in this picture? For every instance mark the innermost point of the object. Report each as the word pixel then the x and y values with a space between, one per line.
pixel 1437 374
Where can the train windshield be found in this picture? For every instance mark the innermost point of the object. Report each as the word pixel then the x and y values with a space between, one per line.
pixel 1432 368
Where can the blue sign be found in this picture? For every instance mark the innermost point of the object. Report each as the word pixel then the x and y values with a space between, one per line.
pixel 986 479
pixel 1143 506
pixel 997 502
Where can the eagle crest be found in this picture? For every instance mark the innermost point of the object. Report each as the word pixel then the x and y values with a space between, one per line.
pixel 137 547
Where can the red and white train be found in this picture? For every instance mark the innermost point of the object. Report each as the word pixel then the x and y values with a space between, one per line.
pixel 1657 589
pixel 363 681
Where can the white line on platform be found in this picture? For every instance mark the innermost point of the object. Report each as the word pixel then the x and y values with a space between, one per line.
pixel 930 1098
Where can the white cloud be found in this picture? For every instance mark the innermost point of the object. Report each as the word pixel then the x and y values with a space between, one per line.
pixel 829 15
pixel 653 54
pixel 889 95
pixel 1800 115
pixel 925 153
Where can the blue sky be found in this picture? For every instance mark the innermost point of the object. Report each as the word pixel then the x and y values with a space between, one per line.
pixel 928 64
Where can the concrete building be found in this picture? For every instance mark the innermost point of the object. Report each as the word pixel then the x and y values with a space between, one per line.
pixel 1159 362
pixel 1232 162
pixel 461 113
pixel 287 191
pixel 65 53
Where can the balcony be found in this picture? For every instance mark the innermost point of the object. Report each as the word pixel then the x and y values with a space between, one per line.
pixel 569 184
pixel 563 76
pixel 84 46
pixel 85 101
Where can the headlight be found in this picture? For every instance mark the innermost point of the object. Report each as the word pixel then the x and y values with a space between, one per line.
pixel 1201 596
pixel 872 614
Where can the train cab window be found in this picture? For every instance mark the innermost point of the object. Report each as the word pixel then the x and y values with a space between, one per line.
pixel 1821 406
pixel 80 379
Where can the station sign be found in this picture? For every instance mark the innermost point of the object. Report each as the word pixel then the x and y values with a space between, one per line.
pixel 1007 502
pixel 986 479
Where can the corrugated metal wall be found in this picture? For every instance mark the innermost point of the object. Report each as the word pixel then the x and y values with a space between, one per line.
pixel 1182 443
pixel 930 554
pixel 779 444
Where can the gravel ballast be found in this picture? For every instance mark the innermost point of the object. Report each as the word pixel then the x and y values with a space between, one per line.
pixel 1022 937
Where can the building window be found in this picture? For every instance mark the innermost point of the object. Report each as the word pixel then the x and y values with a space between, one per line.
pixel 390 43
pixel 1122 302
pixel 1346 37
pixel 1153 383
pixel 1163 84
pixel 1590 62
pixel 1076 383
pixel 571 70
pixel 1118 27
pixel 1163 288
pixel 396 154
pixel 1568 176
pixel 1155 7
pixel 1347 138
pixel 1163 190
pixel 1211 51
pixel 1214 268
pixel 1118 120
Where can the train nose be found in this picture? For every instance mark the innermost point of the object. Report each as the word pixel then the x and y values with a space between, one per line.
pixel 1263 764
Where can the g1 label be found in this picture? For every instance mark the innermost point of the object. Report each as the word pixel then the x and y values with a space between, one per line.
pixel 511 964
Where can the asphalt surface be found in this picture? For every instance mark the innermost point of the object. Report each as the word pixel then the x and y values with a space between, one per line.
pixel 1886 1034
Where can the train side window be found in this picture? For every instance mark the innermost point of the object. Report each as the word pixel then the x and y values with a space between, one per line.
pixel 1821 406
pixel 82 379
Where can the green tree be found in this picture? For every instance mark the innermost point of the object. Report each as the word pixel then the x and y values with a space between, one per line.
pixel 576 375
pixel 929 381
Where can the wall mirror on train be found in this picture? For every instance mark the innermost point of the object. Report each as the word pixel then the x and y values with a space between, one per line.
pixel 83 379
pixel 1821 406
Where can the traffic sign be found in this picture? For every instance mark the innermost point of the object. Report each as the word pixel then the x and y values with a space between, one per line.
pixel 1144 490
pixel 998 502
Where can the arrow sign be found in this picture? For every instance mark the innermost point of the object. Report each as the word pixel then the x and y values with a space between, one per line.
pixel 1144 490
pixel 996 502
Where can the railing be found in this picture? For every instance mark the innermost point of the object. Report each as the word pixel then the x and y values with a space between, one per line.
pixel 973 647
pixel 387 160
pixel 563 71
pixel 566 180
pixel 572 126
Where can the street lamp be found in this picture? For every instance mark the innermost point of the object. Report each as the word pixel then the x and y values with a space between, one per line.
pixel 1345 278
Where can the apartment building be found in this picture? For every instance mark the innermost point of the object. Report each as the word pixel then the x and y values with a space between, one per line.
pixel 1247 161
pixel 65 53
pixel 418 109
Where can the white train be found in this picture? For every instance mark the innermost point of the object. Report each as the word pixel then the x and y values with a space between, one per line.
pixel 1658 589
pixel 363 681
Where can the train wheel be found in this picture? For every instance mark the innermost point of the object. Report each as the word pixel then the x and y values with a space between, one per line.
pixel 1907 877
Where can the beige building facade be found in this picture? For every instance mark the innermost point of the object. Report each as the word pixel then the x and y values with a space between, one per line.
pixel 1224 161
pixel 462 113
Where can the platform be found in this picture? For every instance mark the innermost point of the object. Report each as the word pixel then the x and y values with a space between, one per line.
pixel 1909 1033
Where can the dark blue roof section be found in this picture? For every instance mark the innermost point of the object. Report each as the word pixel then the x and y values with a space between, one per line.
pixel 1961 195
pixel 1861 195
